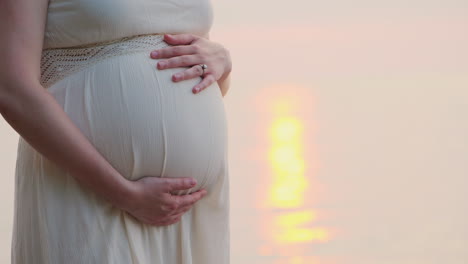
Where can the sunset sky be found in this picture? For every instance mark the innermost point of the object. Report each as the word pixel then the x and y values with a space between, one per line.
pixel 348 132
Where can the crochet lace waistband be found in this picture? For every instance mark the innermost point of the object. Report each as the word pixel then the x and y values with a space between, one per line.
pixel 57 63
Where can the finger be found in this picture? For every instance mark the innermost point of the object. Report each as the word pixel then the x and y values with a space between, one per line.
pixel 188 199
pixel 178 216
pixel 179 61
pixel 181 210
pixel 169 206
pixel 174 218
pixel 207 81
pixel 174 51
pixel 179 39
pixel 176 184
pixel 193 72
pixel 168 221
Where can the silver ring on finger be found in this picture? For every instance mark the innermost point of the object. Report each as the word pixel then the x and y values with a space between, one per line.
pixel 204 67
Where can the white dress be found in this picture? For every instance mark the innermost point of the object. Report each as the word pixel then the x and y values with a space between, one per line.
pixel 96 64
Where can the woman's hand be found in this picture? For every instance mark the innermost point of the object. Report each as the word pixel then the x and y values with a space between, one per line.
pixel 190 50
pixel 152 203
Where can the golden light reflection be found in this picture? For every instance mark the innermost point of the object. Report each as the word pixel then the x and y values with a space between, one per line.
pixel 289 186
pixel 293 232
pixel 288 163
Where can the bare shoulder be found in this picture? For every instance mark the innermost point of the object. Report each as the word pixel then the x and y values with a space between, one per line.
pixel 21 40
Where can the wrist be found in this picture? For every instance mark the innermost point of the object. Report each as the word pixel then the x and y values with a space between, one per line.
pixel 223 78
pixel 228 66
pixel 123 194
pixel 224 84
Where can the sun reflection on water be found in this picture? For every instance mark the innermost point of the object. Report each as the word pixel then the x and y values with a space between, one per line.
pixel 290 227
pixel 287 161
pixel 292 232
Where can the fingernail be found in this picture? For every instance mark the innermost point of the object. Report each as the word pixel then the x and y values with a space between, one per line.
pixel 154 54
pixel 195 90
pixel 193 182
pixel 162 64
pixel 178 75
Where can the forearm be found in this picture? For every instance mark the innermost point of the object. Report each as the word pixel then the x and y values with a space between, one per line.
pixel 41 121
pixel 224 83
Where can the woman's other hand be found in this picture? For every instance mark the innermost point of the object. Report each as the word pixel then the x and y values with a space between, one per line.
pixel 151 201
pixel 190 50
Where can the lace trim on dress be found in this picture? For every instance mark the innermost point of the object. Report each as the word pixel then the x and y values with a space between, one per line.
pixel 57 63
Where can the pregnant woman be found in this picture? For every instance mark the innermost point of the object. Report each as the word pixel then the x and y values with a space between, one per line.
pixel 119 106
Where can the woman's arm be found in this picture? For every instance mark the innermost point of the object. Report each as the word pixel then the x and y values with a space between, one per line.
pixel 35 114
pixel 224 83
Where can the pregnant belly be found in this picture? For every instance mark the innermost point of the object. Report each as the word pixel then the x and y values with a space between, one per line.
pixel 143 123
